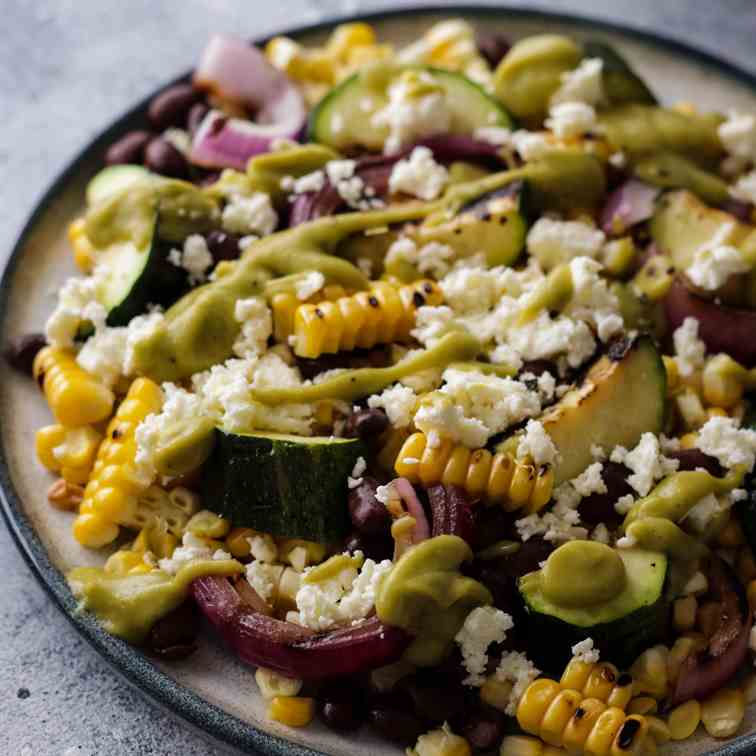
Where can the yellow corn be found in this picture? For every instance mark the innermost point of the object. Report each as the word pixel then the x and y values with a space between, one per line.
pixel 68 451
pixel 642 705
pixel 683 647
pixel 83 250
pixel 566 718
pixel 294 711
pixel 126 563
pixel 521 745
pixel 649 672
pixel 273 685
pixel 111 496
pixel 690 408
pixel 347 37
pixel 493 477
pixel 75 396
pixel 496 693
pixel 722 714
pixel 658 729
pixel 157 539
pixel 381 315
pixel 673 374
pixel 601 681
pixel 441 742
pixel 723 381
pixel 684 613
pixel 684 720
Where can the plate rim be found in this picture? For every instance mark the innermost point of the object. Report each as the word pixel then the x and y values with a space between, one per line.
pixel 128 662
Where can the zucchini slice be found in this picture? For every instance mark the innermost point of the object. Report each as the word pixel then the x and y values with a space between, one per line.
pixel 294 486
pixel 344 117
pixel 113 179
pixel 621 627
pixel 621 397
pixel 135 278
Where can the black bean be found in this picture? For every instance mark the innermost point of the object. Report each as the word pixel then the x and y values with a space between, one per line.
pixel 128 149
pixel 197 113
pixel 690 459
pixel 366 424
pixel 174 636
pixel 482 732
pixel 396 725
pixel 492 46
pixel 171 106
pixel 376 548
pixel 434 702
pixel 163 158
pixel 599 507
pixel 222 245
pixel 21 352
pixel 369 516
pixel 339 715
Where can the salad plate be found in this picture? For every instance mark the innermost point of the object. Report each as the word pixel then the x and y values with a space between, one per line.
pixel 212 690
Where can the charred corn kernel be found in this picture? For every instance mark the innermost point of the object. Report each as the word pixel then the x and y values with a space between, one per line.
pixel 440 742
pixel 688 441
pixel 379 316
pixel 731 535
pixel 690 408
pixel 68 451
pixel 273 684
pixel 722 714
pixel 65 495
pixel 658 729
pixel 492 477
pixel 207 524
pixel 283 306
pixel 75 396
pixel 673 374
pixel 294 711
pixel 601 681
pixel 83 250
pixel 521 745
pixel 580 725
pixel 642 705
pixel 682 648
pixel 109 498
pixel 576 674
pixel 496 693
pixel 684 613
pixel 649 672
pixel 237 541
pixel 684 720
pixel 631 738
pixel 557 716
pixel 601 737
pixel 535 702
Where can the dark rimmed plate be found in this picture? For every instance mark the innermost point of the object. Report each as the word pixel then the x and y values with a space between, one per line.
pixel 213 692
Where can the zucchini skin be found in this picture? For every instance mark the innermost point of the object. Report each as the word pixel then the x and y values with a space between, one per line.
pixel 296 490
pixel 621 641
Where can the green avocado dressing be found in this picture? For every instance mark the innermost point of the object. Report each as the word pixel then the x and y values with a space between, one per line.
pixel 426 594
pixel 129 605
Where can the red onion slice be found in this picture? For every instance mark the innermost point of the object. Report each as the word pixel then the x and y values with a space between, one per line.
pixel 629 204
pixel 235 71
pixel 723 329
pixel 452 512
pixel 414 508
pixel 290 649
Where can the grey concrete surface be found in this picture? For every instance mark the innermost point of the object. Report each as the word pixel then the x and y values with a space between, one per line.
pixel 67 67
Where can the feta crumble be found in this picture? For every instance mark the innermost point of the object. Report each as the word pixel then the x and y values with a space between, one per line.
pixel 517 669
pixel 310 182
pixel 646 462
pixel 192 549
pixel 721 438
pixel 561 523
pixel 482 627
pixel 744 189
pixel 419 175
pixel 537 445
pixel 78 302
pixel 738 135
pixel 431 259
pixel 585 652
pixel 249 215
pixel 531 145
pixel 312 283
pixel 571 119
pixel 257 326
pixel 590 481
pixel 712 268
pixel 355 479
pixel 690 351
pixel 399 403
pixel 584 84
pixel 386 493
pixel 552 241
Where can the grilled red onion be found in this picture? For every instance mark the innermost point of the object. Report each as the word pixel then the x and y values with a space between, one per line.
pixel 451 512
pixel 290 649
pixel 236 72
pixel 721 328
pixel 415 508
pixel 629 204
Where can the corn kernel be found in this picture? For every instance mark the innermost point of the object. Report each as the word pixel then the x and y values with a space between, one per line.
pixel 684 720
pixel 521 745
pixel 292 711
pixel 496 693
pixel 722 714
pixel 273 684
pixel 684 613
pixel 642 705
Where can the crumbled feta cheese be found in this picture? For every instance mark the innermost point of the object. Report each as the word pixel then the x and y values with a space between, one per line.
pixel 546 386
pixel 78 301
pixel 250 215
pixel 310 182
pixel 496 135
pixel 561 523
pixel 312 282
pixel 744 188
pixel 263 548
pixel 386 493
pixel 626 542
pixel 192 549
pixel 340 170
pixel 417 108
pixel 346 599
pixel 712 268
pixel 517 669
pixel 720 437
pixel 583 84
pixel 545 337
pixel 264 578
pixel 591 299
pixel 585 652
pixel 601 534
pixel 738 135
pixel 482 627
pixel 472 289
pixel 690 351
pixel 624 504
pixel 590 481
pixel 696 584
pixel 441 418
pixel 571 119
pixel 257 327
pixel 419 175
pixel 646 461
pixel 355 479
pixel 537 445
pixel 598 453
pixel 431 259
pixel 399 403
pixel 103 354
pixel 531 145
pixel 431 323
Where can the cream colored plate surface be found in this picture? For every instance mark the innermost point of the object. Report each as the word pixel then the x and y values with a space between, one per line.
pixel 45 262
